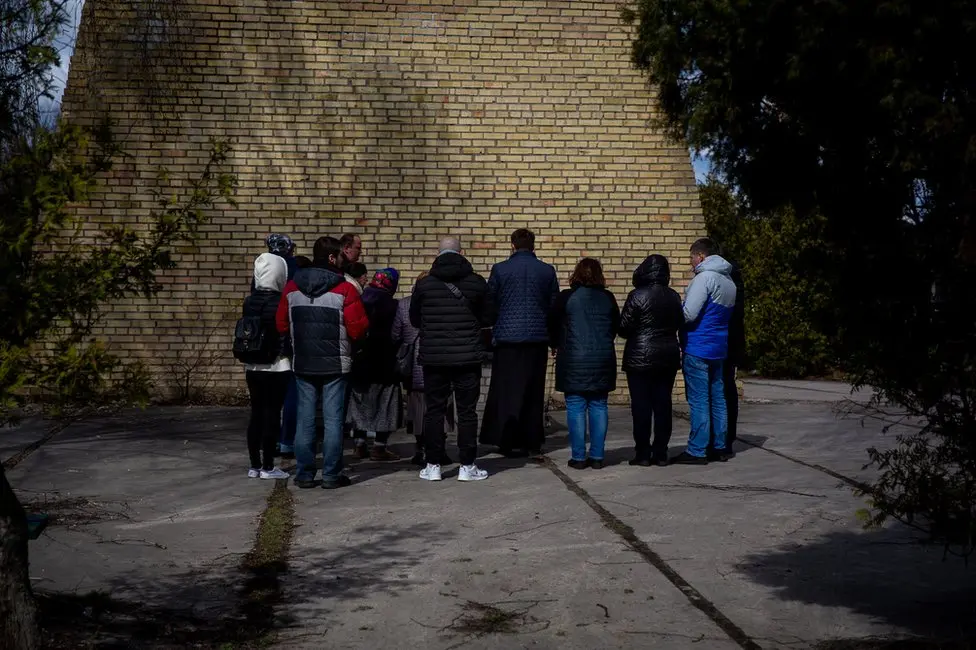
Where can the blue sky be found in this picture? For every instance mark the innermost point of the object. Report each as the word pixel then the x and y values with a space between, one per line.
pixel 66 46
pixel 702 164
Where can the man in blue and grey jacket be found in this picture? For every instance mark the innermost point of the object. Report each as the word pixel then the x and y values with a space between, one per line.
pixel 708 306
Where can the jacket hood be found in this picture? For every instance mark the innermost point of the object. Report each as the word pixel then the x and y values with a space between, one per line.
pixel 315 281
pixel 451 267
pixel 270 272
pixel 653 270
pixel 715 263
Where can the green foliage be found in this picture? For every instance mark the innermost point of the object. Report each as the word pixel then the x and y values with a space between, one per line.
pixel 58 274
pixel 864 113
pixel 28 56
pixel 56 270
pixel 788 301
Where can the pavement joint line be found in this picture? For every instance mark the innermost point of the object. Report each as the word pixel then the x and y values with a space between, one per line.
pixel 19 457
pixel 629 536
pixel 854 483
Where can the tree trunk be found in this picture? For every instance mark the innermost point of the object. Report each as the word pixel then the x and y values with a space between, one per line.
pixel 18 613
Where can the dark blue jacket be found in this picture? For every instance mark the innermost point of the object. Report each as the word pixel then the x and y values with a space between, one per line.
pixel 582 325
pixel 521 291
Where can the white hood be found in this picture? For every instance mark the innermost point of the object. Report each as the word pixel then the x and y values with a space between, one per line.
pixel 270 272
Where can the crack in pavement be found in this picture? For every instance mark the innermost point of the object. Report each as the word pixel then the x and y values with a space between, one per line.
pixel 736 488
pixel 854 483
pixel 629 536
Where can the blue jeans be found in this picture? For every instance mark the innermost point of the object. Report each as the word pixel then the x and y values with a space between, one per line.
pixel 333 392
pixel 289 417
pixel 578 406
pixel 706 401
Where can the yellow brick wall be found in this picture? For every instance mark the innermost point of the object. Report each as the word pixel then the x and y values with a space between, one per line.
pixel 400 120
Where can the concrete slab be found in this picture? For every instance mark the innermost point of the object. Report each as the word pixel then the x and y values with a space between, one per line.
pixel 398 562
pixel 14 439
pixel 150 506
pixel 776 545
pixel 770 390
pixel 154 507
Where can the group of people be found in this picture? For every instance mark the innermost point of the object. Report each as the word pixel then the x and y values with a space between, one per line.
pixel 321 333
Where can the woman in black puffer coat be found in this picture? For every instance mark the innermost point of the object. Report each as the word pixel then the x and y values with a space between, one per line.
pixel 650 322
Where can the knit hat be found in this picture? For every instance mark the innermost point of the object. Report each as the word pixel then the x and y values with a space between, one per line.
pixel 386 279
pixel 280 244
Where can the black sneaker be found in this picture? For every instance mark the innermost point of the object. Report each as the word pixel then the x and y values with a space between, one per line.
pixel 306 484
pixel 333 484
pixel 639 462
pixel 596 464
pixel 578 464
pixel 684 458
pixel 660 462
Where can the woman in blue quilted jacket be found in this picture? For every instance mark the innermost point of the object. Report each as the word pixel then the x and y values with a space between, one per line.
pixel 583 323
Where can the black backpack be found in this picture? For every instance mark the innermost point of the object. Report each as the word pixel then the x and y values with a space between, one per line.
pixel 251 342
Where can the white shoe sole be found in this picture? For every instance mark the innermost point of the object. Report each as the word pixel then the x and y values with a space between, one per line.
pixel 470 479
pixel 432 478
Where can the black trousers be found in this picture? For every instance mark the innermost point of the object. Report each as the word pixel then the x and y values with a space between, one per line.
pixel 650 401
pixel 267 390
pixel 516 404
pixel 464 382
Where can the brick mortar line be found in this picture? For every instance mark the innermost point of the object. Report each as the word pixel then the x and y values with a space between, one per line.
pixel 629 536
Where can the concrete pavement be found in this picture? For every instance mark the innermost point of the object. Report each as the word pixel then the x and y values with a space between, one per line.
pixel 764 551
pixel 151 507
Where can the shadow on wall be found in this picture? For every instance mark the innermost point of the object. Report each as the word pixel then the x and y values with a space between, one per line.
pixel 887 575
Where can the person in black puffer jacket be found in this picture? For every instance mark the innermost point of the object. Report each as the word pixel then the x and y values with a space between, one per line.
pixel 583 323
pixel 448 307
pixel 650 322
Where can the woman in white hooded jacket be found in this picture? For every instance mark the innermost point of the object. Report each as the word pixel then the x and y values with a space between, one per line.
pixel 267 383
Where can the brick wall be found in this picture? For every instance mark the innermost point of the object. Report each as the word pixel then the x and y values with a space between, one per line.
pixel 401 120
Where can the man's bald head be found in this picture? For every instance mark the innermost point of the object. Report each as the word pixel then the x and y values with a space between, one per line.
pixel 450 245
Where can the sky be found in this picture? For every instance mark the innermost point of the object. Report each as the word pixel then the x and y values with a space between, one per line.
pixel 702 164
pixel 66 47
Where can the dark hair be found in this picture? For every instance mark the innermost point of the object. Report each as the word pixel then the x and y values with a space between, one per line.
pixel 302 261
pixel 347 240
pixel 704 246
pixel 357 270
pixel 523 239
pixel 326 247
pixel 588 273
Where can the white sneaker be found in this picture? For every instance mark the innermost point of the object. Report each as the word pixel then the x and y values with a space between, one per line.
pixel 253 473
pixel 274 474
pixel 431 473
pixel 471 473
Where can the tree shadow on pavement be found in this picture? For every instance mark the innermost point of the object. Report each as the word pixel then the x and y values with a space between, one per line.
pixel 888 575
pixel 365 562
pixel 201 607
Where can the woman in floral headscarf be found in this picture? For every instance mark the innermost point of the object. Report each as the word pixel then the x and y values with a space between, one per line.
pixel 375 400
